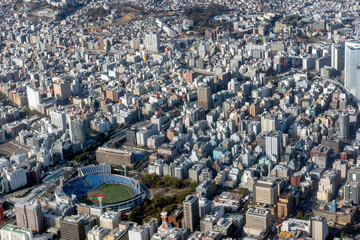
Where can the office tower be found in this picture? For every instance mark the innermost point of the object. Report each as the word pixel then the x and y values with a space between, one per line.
pixel 352 192
pixel 191 213
pixel 79 131
pixel 10 232
pixel 30 215
pixel 269 122
pixel 352 69
pixel 152 42
pixel 58 118
pixel 344 121
pixel 62 90
pixel 337 56
pixel 73 228
pixel 319 228
pixel 273 146
pixel 204 97
pixel 34 98
pixel 266 191
pixel 258 221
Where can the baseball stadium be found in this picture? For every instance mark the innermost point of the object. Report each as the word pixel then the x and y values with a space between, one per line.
pixel 95 186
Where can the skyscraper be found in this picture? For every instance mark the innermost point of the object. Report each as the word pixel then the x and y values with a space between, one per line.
pixel 337 56
pixel 34 98
pixel 319 228
pixel 266 191
pixel 273 145
pixel 79 131
pixel 204 97
pixel 152 42
pixel 62 90
pixel 352 68
pixel 30 215
pixel 58 118
pixel 191 213
pixel 344 121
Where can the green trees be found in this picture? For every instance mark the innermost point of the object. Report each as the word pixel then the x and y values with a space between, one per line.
pixel 204 18
pixel 159 203
pixel 153 180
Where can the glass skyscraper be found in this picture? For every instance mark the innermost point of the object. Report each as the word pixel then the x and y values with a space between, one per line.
pixel 352 68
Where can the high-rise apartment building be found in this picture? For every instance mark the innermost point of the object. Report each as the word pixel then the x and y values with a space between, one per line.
pixel 352 69
pixel 204 97
pixel 11 232
pixel 58 118
pixel 34 98
pixel 191 219
pixel 30 215
pixel 152 42
pixel 269 122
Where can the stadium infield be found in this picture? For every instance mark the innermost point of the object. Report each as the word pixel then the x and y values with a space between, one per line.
pixel 111 193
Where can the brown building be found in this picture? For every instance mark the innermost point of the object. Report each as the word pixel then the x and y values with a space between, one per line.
pixel 191 219
pixel 114 156
pixel 30 216
pixel 175 218
pixel 62 90
pixel 73 228
pixel 204 97
pixel 189 76
pixel 285 206
pixel 341 215
pixel 255 109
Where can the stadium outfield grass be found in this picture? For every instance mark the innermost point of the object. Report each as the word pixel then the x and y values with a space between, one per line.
pixel 111 193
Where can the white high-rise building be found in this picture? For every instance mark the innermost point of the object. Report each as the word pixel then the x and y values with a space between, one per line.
pixel 34 98
pixel 16 178
pixel 58 118
pixel 152 42
pixel 138 233
pixel 10 232
pixel 337 56
pixel 273 146
pixel 352 68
